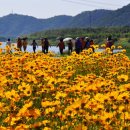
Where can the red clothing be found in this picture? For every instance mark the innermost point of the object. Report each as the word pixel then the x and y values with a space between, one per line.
pixel 91 43
pixel 19 43
pixel 83 44
pixel 109 43
pixel 61 45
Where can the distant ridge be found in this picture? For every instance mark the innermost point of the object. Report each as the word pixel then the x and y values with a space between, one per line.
pixel 14 25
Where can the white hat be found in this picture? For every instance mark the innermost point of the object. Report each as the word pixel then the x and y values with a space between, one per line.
pixel 77 38
pixel 86 37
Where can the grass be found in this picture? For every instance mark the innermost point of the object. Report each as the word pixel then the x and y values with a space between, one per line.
pixel 128 52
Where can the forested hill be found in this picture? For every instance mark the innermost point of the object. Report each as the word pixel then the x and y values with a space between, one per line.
pixel 15 25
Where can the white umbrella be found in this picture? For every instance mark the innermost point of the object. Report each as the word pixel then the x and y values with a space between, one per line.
pixel 58 38
pixel 86 38
pixel 67 39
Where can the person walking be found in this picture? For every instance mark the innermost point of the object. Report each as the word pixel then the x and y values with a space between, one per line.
pixel 83 43
pixel 92 45
pixel 34 44
pixel 87 45
pixel 8 46
pixel 70 46
pixel 78 46
pixel 61 46
pixel 19 43
pixel 25 43
pixel 46 45
pixel 8 43
pixel 109 42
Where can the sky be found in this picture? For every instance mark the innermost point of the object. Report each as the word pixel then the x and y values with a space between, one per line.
pixel 50 8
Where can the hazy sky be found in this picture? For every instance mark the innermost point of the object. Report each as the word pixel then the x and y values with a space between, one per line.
pixel 50 8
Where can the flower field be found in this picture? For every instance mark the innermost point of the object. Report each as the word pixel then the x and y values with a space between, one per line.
pixel 89 91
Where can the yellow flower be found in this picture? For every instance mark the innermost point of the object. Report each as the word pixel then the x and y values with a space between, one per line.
pixel 122 78
pixel 45 122
pixel 125 115
pixel 23 86
pixel 46 103
pixel 60 95
pixel 37 111
pixel 123 96
pixel 31 78
pixel 1 50
pixel 13 95
pixel 96 46
pixel 107 117
pixel 121 108
pixel 3 128
pixel 119 47
pixel 112 47
pixel 28 92
pixel 49 110
pixel 103 45
pixel 46 128
pixel 108 49
pixel 113 95
pixel 1 105
pixel 14 120
pixel 22 127
pixel 124 51
pixel 23 110
pixel 7 48
pixel 90 50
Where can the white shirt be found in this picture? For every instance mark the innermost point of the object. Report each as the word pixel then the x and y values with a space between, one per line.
pixel 8 43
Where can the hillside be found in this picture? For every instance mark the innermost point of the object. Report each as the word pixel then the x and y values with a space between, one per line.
pixel 89 18
pixel 14 25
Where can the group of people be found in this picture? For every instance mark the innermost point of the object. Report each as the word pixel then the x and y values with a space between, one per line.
pixel 83 43
pixel 80 43
pixel 20 43
pixel 23 42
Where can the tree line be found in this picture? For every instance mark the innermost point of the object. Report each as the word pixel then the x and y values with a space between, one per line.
pixel 98 34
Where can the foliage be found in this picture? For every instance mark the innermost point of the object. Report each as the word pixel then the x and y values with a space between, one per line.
pixel 85 91
pixel 2 38
pixel 98 34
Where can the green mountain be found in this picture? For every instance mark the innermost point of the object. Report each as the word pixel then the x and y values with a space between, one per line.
pixel 89 18
pixel 14 25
